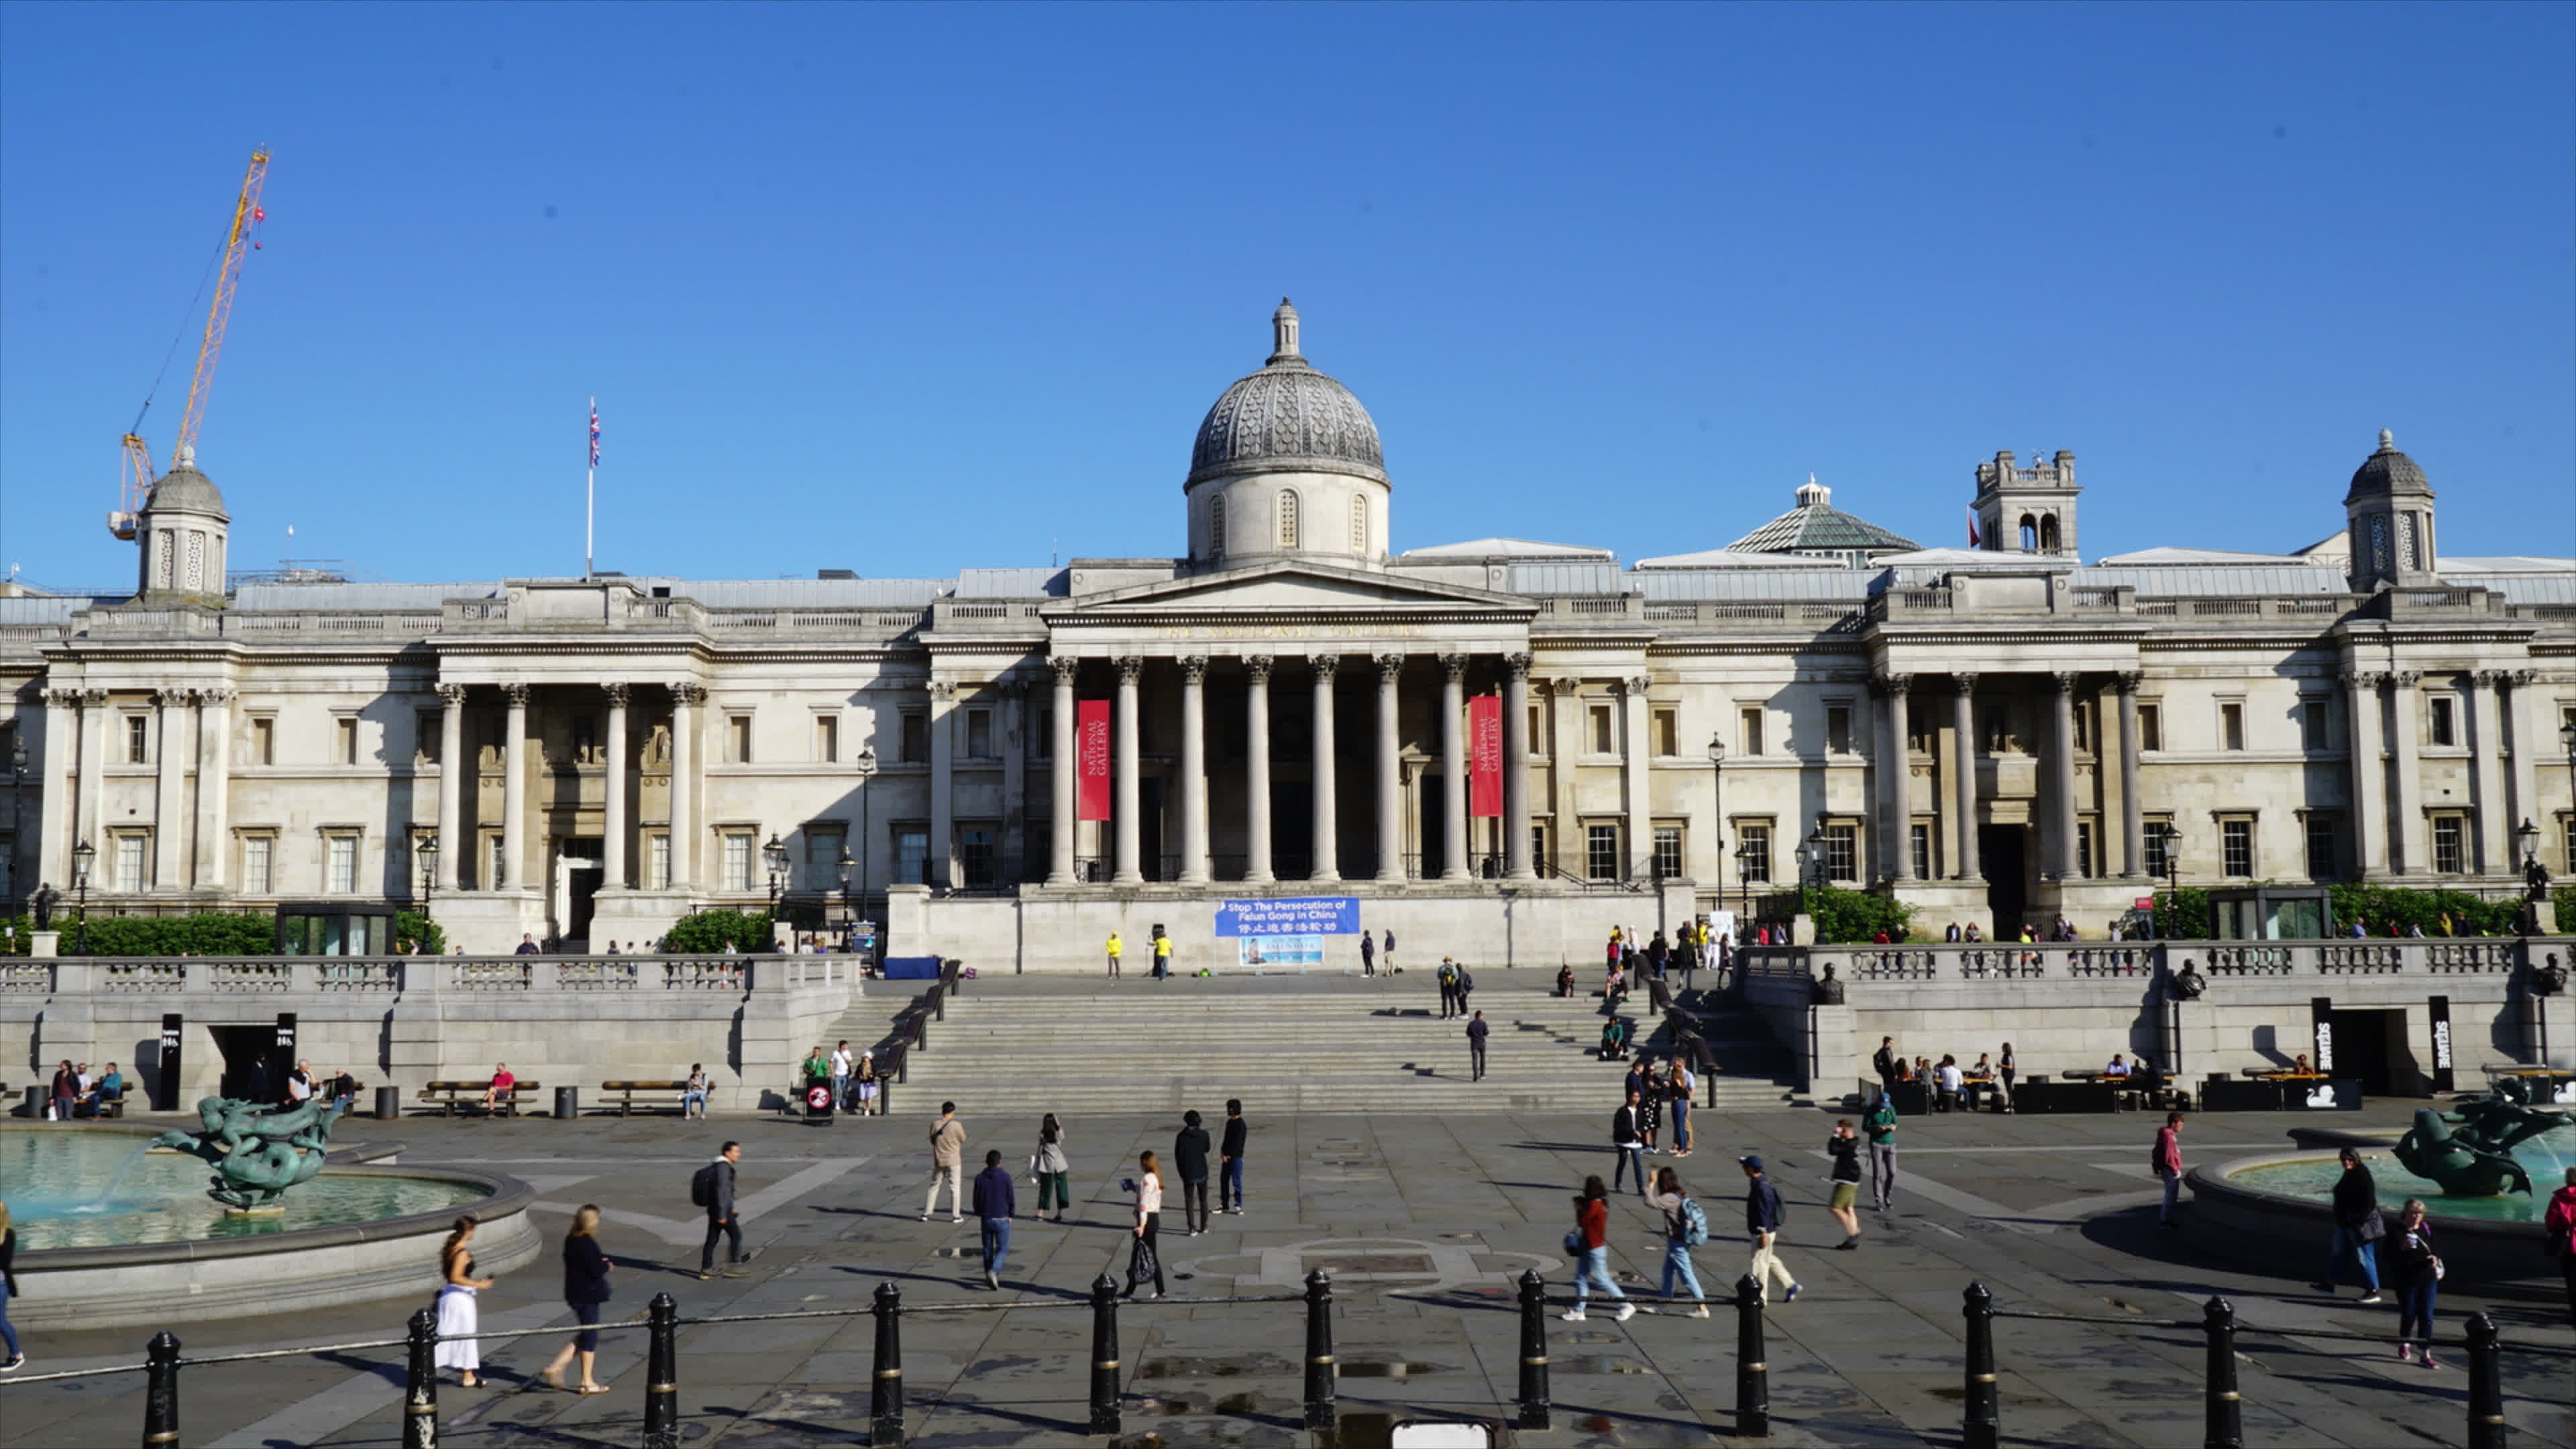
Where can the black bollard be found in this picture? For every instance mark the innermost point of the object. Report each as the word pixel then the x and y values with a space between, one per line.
pixel 662 1373
pixel 2226 1409
pixel 1320 1412
pixel 1534 1413
pixel 885 1391
pixel 1981 1425
pixel 420 1383
pixel 161 1390
pixel 1104 1354
pixel 2486 1386
pixel 1752 1369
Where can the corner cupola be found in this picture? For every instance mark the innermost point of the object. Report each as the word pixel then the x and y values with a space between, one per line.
pixel 2389 508
pixel 184 531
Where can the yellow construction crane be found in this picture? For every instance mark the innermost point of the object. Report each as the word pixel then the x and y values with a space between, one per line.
pixel 138 473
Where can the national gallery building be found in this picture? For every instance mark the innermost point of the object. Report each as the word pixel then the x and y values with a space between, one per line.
pixel 1492 745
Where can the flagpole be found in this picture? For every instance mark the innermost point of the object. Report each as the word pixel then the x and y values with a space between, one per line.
pixel 590 500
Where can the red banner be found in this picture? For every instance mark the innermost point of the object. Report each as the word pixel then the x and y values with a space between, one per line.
pixel 1485 757
pixel 1091 759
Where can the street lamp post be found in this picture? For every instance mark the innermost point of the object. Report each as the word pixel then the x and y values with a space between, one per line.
pixel 843 865
pixel 774 855
pixel 428 883
pixel 1747 860
pixel 2173 868
pixel 1717 802
pixel 865 767
pixel 82 855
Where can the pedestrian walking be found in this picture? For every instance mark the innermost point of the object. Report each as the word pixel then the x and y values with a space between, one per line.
pixel 1386 953
pixel 1053 1173
pixel 458 1322
pixel 866 1083
pixel 1844 1149
pixel 1589 1246
pixel 2004 1069
pixel 1650 1103
pixel 585 1289
pixel 1881 1126
pixel 1628 1139
pixel 1116 947
pixel 2558 1227
pixel 995 1206
pixel 1477 1031
pixel 947 1155
pixel 1763 1214
pixel 1685 1228
pixel 2417 1270
pixel 1229 1188
pixel 2167 1162
pixel 1145 1259
pixel 9 1289
pixel 714 1190
pixel 2358 1227
pixel 1447 975
pixel 1679 1084
pixel 1885 1062
pixel 1190 1156
pixel 842 1066
pixel 1368 954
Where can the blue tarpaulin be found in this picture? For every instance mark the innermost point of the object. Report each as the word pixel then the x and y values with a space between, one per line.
pixel 910 968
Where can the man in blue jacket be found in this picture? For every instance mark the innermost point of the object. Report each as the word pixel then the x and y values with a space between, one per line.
pixel 995 1206
pixel 1762 1216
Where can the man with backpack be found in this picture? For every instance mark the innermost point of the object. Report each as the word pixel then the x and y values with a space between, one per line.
pixel 1448 978
pixel 712 1189
pixel 1881 1124
pixel 1460 986
pixel 1685 1228
pixel 1763 1215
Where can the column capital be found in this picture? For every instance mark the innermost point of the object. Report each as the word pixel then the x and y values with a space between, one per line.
pixel 1194 668
pixel 1066 666
pixel 1636 685
pixel 2520 678
pixel 1518 665
pixel 62 698
pixel 2486 678
pixel 1325 666
pixel 943 690
pixel 1130 667
pixel 1013 686
pixel 171 698
pixel 516 694
pixel 2406 678
pixel 1455 666
pixel 2066 679
pixel 1258 666
pixel 688 693
pixel 1897 683
pixel 451 694
pixel 93 698
pixel 616 692
pixel 213 697
pixel 1964 683
pixel 1388 666
pixel 2365 678
pixel 1565 687
pixel 2126 681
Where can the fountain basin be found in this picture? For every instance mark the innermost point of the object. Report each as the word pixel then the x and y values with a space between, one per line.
pixel 245 1266
pixel 2275 1209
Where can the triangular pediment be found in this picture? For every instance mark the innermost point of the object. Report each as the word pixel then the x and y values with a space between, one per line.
pixel 1291 587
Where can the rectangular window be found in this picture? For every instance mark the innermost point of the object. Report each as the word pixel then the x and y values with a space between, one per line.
pixel 916 737
pixel 258 854
pixel 2151 727
pixel 2567 846
pixel 1601 744
pixel 126 870
pixel 1601 852
pixel 2449 854
pixel 2313 716
pixel 2445 731
pixel 738 855
pixel 138 740
pixel 1538 844
pixel 1920 839
pixel 978 863
pixel 1753 851
pixel 2322 860
pixel 2085 844
pixel 1668 735
pixel 911 855
pixel 339 865
pixel 344 740
pixel 1748 730
pixel 496 862
pixel 2231 726
pixel 737 739
pixel 1842 852
pixel 823 857
pixel 2158 861
pixel 657 861
pixel 827 738
pixel 425 736
pixel 1537 730
pixel 2236 846
pixel 2083 715
pixel 1838 729
pixel 263 740
pixel 1668 852
pixel 585 739
pixel 1918 731
pixel 979 734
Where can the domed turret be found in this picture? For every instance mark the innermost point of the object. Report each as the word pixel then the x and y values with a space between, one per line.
pixel 183 530
pixel 2389 508
pixel 1287 462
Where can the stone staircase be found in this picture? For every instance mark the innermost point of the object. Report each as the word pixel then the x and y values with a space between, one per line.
pixel 1291 1043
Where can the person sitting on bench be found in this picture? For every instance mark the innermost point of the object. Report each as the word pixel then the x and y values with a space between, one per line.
pixel 503 1084
pixel 693 1097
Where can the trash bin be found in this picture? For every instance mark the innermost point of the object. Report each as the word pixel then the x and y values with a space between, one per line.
pixel 567 1103
pixel 36 1095
pixel 388 1103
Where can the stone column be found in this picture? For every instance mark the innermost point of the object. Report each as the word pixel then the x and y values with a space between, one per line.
pixel 1125 767
pixel 2529 748
pixel 1194 784
pixel 2061 777
pixel 1963 774
pixel 514 791
pixel 1062 774
pixel 453 771
pixel 2133 823
pixel 612 840
pixel 943 784
pixel 1641 815
pixel 2369 771
pixel 1516 782
pixel 56 795
pixel 93 775
pixel 214 787
pixel 1566 697
pixel 170 765
pixel 2486 776
pixel 2405 794
pixel 1453 768
pixel 685 699
pixel 1011 735
pixel 1256 768
pixel 1899 778
pixel 1328 865
pixel 1390 767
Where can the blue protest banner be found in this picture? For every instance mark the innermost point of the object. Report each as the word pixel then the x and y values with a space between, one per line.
pixel 1294 916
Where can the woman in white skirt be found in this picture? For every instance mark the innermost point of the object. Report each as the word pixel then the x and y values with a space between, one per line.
pixel 458 1321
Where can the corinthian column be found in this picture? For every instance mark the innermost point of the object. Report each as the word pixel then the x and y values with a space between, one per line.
pixel 1390 779
pixel 55 796
pixel 1963 774
pixel 1516 743
pixel 2369 771
pixel 1061 773
pixel 1453 767
pixel 514 790
pixel 453 767
pixel 2133 829
pixel 2061 778
pixel 1328 865
pixel 2486 772
pixel 1641 815
pixel 169 769
pixel 1899 778
pixel 1256 768
pixel 1126 766
pixel 612 844
pixel 1194 785
pixel 2405 796
pixel 685 699
pixel 214 787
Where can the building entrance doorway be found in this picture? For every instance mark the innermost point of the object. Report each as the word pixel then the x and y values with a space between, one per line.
pixel 579 873
pixel 249 1057
pixel 2000 852
pixel 2370 1046
pixel 1435 828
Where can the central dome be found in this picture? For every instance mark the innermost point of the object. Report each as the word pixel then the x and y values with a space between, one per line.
pixel 1286 417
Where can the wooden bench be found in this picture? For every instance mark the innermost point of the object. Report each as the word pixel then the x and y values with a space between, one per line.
pixel 626 1094
pixel 451 1095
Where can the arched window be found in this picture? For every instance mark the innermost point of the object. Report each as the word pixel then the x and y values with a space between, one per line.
pixel 1288 518
pixel 1359 526
pixel 1216 527
pixel 2029 534
pixel 2048 534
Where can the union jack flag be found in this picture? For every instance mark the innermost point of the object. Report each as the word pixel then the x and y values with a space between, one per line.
pixel 594 432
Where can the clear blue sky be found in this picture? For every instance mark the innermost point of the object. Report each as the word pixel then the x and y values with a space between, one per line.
pixel 901 290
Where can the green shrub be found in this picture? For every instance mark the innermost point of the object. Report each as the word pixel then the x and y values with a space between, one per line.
pixel 412 926
pixel 1846 915
pixel 2565 899
pixel 711 931
pixel 205 933
pixel 2379 907
pixel 2183 915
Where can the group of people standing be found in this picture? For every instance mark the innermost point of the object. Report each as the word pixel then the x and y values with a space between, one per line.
pixel 1684 1224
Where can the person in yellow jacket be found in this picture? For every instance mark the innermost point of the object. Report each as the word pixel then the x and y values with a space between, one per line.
pixel 1115 947
pixel 1162 956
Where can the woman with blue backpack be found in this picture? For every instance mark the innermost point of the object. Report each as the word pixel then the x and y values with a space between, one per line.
pixel 1685 1228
